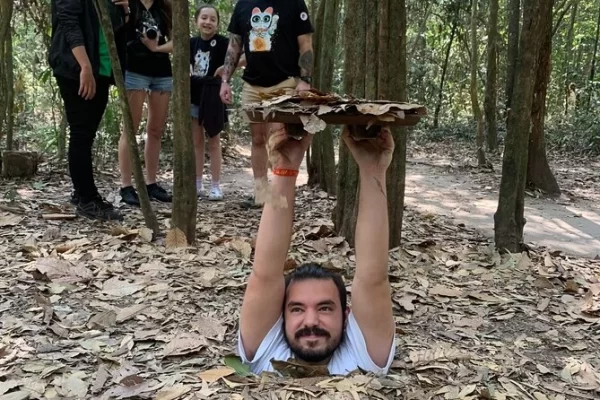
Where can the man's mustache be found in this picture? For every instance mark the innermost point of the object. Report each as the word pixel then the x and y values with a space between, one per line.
pixel 314 331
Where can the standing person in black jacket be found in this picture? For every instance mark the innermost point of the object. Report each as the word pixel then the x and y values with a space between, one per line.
pixel 81 64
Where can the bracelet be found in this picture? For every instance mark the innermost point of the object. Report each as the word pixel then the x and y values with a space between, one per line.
pixel 285 172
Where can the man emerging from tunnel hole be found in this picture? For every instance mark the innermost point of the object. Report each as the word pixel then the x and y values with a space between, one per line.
pixel 305 315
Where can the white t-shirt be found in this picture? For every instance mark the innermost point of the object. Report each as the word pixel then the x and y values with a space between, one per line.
pixel 351 354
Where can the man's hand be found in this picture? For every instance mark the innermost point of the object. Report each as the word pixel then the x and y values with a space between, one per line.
pixel 285 151
pixel 302 86
pixel 87 83
pixel 219 71
pixel 371 155
pixel 225 93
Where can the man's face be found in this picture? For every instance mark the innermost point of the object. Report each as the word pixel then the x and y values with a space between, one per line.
pixel 314 321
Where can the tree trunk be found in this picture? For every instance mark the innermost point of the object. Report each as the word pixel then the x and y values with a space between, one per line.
pixel 438 106
pixel 395 90
pixel 539 174
pixel 322 161
pixel 354 83
pixel 10 88
pixel 6 80
pixel 491 84
pixel 568 55
pixel 477 115
pixel 514 17
pixel 375 68
pixel 595 52
pixel 509 220
pixel 184 190
pixel 105 22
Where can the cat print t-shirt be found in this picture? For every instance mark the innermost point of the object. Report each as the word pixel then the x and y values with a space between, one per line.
pixel 206 56
pixel 269 31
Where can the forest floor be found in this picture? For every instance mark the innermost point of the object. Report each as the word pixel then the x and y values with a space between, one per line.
pixel 96 310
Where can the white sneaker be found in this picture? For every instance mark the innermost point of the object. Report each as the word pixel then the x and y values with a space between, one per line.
pixel 215 194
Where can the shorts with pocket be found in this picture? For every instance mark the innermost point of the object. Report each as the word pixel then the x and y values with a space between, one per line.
pixel 251 94
pixel 135 81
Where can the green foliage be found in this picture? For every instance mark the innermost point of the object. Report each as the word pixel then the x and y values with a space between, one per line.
pixel 38 104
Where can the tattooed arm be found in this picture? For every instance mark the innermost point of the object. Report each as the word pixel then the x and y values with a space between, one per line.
pixel 234 52
pixel 305 61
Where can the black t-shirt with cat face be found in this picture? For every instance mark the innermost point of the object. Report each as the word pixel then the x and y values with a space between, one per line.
pixel 139 58
pixel 269 31
pixel 206 56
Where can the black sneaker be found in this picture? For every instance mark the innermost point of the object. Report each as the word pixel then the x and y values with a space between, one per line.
pixel 158 193
pixel 74 198
pixel 97 208
pixel 129 196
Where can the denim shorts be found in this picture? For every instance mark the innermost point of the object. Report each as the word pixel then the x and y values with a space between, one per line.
pixel 135 81
pixel 195 111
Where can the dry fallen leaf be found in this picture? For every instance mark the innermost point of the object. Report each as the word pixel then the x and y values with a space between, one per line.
pixel 120 288
pixel 184 343
pixel 441 290
pixel 130 312
pixel 173 392
pixel 62 271
pixel 146 234
pixel 176 239
pixel 214 375
pixel 242 247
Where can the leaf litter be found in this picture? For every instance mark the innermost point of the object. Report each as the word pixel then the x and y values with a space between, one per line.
pixel 90 310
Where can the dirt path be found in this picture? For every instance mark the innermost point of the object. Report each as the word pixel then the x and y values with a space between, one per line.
pixel 572 227
pixel 570 224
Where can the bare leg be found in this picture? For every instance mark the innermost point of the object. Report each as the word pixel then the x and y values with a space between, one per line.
pixel 136 103
pixel 259 155
pixel 216 160
pixel 158 104
pixel 198 132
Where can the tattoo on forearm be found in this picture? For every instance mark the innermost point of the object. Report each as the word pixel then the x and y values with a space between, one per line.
pixel 233 55
pixel 306 63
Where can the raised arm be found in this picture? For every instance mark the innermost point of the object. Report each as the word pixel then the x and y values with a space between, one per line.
pixel 306 61
pixel 371 292
pixel 232 58
pixel 263 300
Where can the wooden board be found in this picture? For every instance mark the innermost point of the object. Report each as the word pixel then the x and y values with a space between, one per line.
pixel 333 119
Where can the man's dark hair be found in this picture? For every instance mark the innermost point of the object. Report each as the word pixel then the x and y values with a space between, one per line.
pixel 202 7
pixel 316 271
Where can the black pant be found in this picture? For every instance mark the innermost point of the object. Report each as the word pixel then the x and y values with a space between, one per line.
pixel 84 117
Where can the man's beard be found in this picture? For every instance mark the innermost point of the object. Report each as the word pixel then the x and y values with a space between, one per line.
pixel 314 355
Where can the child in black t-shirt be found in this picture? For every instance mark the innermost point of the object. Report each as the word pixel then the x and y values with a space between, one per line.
pixel 207 56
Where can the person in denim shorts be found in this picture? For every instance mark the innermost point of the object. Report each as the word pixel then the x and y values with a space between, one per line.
pixel 148 74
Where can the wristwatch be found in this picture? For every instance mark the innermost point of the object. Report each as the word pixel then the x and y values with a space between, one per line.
pixel 307 79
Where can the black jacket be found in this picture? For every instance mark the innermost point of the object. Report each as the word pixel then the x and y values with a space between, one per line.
pixel 75 23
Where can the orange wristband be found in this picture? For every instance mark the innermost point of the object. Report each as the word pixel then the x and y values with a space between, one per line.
pixel 285 172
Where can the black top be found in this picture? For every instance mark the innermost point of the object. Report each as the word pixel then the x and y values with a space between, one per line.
pixel 75 23
pixel 270 30
pixel 139 58
pixel 207 55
